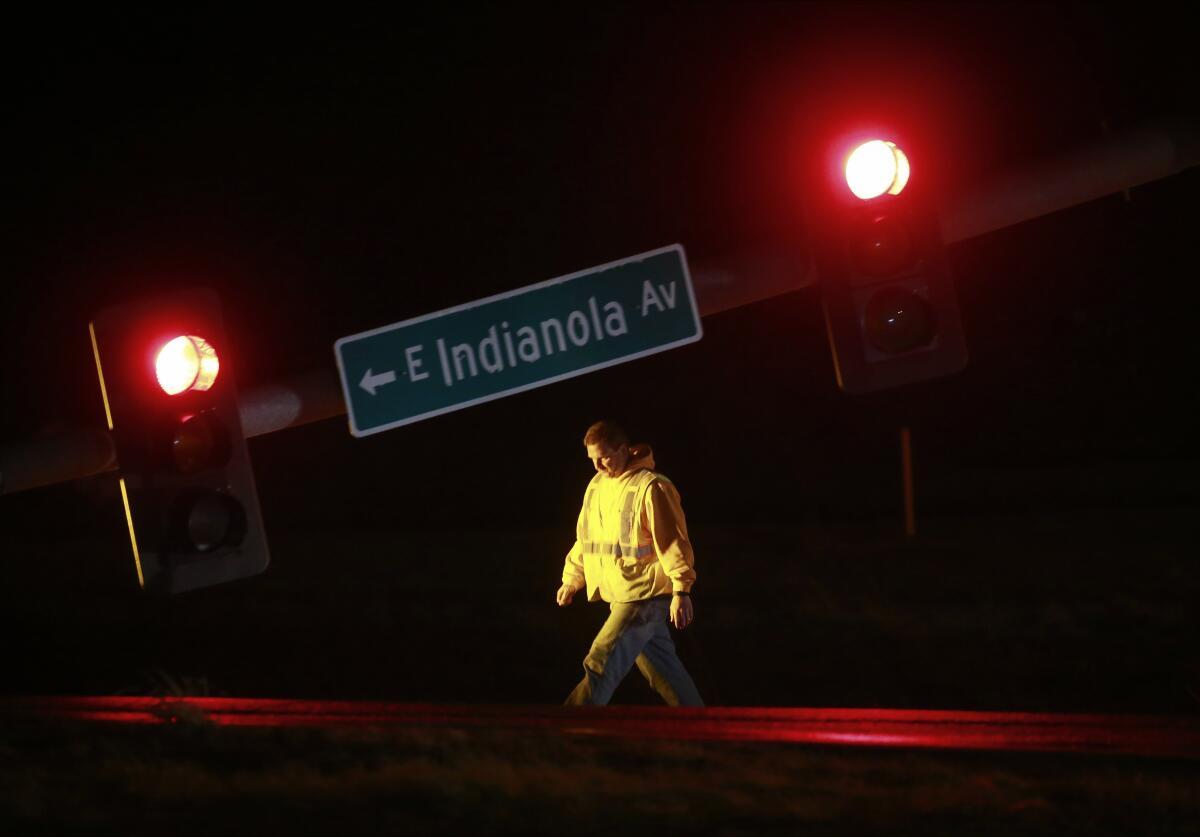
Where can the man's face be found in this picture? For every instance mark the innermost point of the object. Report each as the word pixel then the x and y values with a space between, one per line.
pixel 609 461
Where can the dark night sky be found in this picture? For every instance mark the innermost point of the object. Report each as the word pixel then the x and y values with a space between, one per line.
pixel 330 176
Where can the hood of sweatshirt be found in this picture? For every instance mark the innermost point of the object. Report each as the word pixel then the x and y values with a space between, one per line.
pixel 640 456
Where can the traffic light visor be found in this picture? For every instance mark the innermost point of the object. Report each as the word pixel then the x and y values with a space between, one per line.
pixel 876 168
pixel 186 363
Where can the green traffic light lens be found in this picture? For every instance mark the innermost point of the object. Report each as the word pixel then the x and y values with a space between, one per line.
pixel 209 522
pixel 206 520
pixel 899 320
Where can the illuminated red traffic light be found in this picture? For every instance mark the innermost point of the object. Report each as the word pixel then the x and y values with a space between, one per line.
pixel 890 308
pixel 877 168
pixel 186 363
pixel 186 480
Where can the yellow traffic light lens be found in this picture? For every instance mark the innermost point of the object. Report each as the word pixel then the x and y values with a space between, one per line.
pixel 882 245
pixel 877 168
pixel 186 363
pixel 199 442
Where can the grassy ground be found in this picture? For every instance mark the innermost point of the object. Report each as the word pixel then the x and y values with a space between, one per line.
pixel 194 778
pixel 1084 610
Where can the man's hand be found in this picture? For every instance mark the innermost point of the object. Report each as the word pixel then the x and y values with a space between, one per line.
pixel 681 611
pixel 565 594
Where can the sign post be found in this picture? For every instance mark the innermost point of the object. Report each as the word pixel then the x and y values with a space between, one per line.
pixel 517 340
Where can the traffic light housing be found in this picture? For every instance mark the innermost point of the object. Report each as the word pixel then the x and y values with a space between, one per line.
pixel 186 482
pixel 891 313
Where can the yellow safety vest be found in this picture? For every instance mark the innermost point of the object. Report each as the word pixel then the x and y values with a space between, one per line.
pixel 621 565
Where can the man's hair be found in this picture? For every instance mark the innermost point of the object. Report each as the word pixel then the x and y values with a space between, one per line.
pixel 605 433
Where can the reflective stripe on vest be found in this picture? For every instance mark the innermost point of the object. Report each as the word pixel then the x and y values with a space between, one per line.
pixel 587 505
pixel 616 549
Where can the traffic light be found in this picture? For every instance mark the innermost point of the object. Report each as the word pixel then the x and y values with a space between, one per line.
pixel 172 410
pixel 890 308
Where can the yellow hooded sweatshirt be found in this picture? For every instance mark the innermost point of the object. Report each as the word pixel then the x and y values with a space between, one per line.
pixel 631 541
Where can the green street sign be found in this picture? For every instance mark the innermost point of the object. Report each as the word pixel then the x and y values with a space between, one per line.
pixel 515 341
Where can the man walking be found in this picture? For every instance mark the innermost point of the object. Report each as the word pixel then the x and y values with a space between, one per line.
pixel 632 551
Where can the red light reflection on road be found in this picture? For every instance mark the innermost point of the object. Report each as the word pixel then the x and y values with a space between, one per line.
pixel 1177 736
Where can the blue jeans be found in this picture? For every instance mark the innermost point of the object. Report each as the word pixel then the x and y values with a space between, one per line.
pixel 635 632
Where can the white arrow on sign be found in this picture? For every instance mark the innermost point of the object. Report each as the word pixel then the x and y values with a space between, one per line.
pixel 370 382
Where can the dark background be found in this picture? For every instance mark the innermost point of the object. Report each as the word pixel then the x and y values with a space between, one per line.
pixel 328 176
